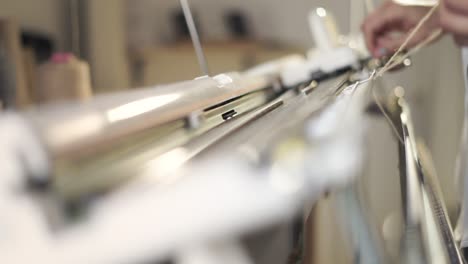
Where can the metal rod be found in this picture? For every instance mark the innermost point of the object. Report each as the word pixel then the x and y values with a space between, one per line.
pixel 195 37
pixel 427 221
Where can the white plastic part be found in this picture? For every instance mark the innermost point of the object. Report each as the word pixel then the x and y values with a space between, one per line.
pixel 328 57
pixel 299 72
pixel 336 59
pixel 328 52
pixel 325 62
pixel 324 30
pixel 275 67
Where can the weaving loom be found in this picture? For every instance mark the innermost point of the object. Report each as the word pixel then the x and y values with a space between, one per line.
pixel 196 167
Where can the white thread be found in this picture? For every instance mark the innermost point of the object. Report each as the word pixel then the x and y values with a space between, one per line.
pixel 407 40
pixel 434 35
pixel 395 61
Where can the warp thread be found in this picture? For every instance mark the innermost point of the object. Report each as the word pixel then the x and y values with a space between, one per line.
pixel 395 60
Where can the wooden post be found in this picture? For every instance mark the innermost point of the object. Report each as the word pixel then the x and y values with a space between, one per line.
pixel 14 85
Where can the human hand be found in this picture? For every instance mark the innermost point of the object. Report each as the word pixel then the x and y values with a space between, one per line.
pixel 387 28
pixel 453 16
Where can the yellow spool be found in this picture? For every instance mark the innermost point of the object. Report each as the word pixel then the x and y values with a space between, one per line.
pixel 64 77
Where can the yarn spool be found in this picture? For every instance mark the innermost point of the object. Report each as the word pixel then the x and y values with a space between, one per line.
pixel 63 77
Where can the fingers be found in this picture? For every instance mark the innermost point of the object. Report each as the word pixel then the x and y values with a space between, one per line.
pixel 369 26
pixel 457 6
pixel 392 43
pixel 452 22
pixel 368 29
pixel 385 18
pixel 389 44
pixel 461 40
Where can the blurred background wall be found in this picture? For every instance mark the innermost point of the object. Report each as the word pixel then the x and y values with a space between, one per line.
pixel 283 22
pixel 101 23
pixel 46 16
pixel 105 44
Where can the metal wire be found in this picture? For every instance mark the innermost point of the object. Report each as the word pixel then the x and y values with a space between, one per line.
pixel 195 37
